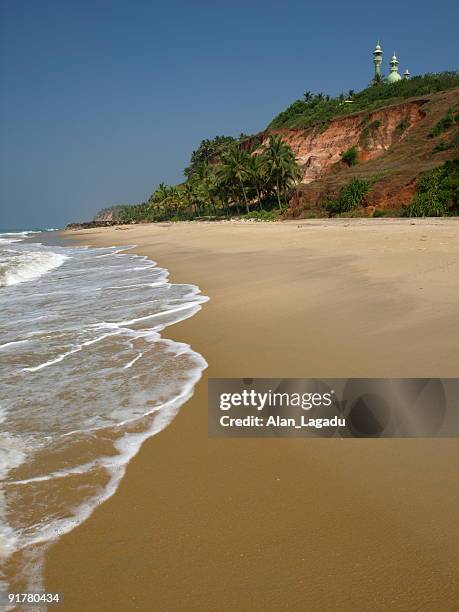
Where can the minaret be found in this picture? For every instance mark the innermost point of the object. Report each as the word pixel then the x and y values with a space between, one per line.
pixel 377 60
pixel 406 74
pixel 393 76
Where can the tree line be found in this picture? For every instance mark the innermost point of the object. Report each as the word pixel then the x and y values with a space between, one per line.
pixel 319 109
pixel 227 180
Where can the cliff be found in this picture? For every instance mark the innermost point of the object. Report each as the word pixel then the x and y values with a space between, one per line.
pixel 111 213
pixel 393 146
pixel 391 135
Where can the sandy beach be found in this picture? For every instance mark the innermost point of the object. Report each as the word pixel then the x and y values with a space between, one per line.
pixel 281 524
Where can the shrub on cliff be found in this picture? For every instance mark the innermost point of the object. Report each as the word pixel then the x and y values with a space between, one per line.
pixel 350 157
pixel 403 125
pixel 444 124
pixel 351 196
pixel 437 193
pixel 369 131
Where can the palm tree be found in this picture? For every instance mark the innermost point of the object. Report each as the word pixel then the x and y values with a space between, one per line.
pixel 257 175
pixel 225 188
pixel 161 194
pixel 282 166
pixel 235 169
pixel 160 199
pixel 175 201
pixel 189 197
pixel 205 185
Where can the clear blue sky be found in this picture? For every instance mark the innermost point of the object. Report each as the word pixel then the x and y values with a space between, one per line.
pixel 101 101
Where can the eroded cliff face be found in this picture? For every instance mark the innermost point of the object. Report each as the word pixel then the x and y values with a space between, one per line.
pixel 104 216
pixel 394 148
pixel 372 133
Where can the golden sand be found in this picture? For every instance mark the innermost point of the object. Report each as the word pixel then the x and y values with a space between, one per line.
pixel 282 524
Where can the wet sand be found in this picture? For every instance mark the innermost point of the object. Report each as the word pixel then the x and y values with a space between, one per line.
pixel 281 524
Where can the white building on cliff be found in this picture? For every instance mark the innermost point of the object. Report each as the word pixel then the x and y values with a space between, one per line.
pixel 393 75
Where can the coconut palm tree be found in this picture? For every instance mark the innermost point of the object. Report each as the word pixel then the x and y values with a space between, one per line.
pixel 160 195
pixel 189 197
pixel 225 188
pixel 175 201
pixel 204 182
pixel 160 199
pixel 282 167
pixel 257 175
pixel 235 169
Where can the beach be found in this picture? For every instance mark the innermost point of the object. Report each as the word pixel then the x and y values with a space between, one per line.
pixel 279 524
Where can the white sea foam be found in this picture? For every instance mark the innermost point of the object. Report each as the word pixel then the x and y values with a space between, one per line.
pixel 61 357
pixel 132 362
pixel 27 266
pixel 12 455
pixel 12 451
pixel 4 240
pixel 9 345
pixel 83 390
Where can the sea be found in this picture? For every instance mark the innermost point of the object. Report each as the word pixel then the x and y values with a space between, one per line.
pixel 85 377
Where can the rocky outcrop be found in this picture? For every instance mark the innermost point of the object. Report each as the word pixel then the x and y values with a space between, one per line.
pixel 112 213
pixel 104 215
pixel 91 224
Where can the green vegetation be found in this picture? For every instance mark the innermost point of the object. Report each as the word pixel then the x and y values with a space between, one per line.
pixel 263 215
pixel 208 151
pixel 236 182
pixel 126 213
pixel 350 157
pixel 350 197
pixel 443 145
pixel 437 192
pixel 115 211
pixel 379 175
pixel 444 124
pixel 135 212
pixel 387 212
pixel 403 125
pixel 319 109
pixel 369 131
pixel 374 125
pixel 252 177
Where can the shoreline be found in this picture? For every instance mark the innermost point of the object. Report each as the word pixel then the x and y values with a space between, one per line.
pixel 201 523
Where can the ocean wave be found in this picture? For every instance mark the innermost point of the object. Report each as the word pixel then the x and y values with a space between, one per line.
pixel 27 266
pixel 4 241
pixel 13 237
pixel 82 389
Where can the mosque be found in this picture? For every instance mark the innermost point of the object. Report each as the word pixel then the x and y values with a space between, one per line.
pixel 393 75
